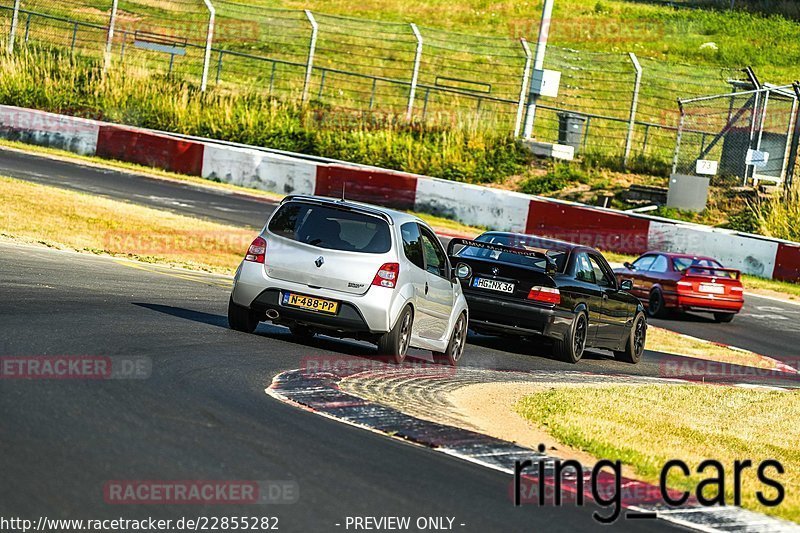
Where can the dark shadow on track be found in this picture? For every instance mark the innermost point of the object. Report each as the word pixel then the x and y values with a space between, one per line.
pixel 188 314
pixel 267 330
pixel 529 346
pixel 687 317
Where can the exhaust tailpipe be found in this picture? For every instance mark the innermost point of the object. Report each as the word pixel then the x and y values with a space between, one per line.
pixel 272 314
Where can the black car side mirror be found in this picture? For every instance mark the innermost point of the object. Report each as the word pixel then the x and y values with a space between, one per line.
pixel 627 265
pixel 626 285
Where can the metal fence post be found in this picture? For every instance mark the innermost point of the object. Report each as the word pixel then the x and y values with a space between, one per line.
pixel 789 129
pixel 311 47
pixel 110 37
pixel 14 22
pixel 526 74
pixel 634 104
pixel 679 137
pixel 795 144
pixel 415 75
pixel 74 39
pixel 541 48
pixel 219 67
pixel 212 13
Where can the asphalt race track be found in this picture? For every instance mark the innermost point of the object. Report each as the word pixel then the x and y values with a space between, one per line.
pixel 765 326
pixel 203 414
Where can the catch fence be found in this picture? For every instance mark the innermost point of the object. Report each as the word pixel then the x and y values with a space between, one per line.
pixel 624 105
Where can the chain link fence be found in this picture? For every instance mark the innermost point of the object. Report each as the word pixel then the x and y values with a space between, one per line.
pixel 624 106
pixel 743 137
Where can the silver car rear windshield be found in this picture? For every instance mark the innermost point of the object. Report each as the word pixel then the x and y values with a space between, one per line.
pixel 331 228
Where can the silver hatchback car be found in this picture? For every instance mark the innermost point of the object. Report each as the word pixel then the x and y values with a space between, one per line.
pixel 352 270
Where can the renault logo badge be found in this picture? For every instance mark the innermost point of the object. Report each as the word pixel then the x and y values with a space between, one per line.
pixel 320 261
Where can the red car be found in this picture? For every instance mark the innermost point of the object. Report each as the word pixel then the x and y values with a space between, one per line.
pixel 667 282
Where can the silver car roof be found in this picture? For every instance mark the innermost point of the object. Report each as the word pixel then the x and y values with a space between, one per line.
pixel 391 215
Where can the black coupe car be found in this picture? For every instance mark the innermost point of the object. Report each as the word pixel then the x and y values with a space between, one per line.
pixel 525 285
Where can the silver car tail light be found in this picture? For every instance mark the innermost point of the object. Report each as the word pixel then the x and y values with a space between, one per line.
pixel 257 251
pixel 387 275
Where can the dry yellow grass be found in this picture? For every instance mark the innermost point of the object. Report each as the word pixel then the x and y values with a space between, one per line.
pixel 67 219
pixel 663 340
pixel 646 426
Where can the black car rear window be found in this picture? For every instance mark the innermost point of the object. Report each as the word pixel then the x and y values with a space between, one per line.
pixel 331 228
pixel 559 256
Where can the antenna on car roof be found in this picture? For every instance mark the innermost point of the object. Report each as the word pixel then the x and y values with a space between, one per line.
pixel 343 185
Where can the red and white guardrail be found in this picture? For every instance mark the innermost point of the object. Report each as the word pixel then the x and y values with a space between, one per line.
pixel 497 209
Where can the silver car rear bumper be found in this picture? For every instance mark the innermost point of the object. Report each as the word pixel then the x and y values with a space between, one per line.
pixel 378 307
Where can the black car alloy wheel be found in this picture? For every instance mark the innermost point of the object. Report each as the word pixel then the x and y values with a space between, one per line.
pixel 579 338
pixel 639 336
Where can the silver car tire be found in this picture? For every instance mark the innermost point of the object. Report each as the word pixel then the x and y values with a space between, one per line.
pixel 241 318
pixel 455 348
pixel 395 343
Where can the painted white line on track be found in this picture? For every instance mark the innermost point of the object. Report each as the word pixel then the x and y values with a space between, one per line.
pixel 772 298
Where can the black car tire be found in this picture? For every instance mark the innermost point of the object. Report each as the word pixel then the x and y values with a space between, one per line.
pixel 570 349
pixel 656 307
pixel 242 318
pixel 395 343
pixel 455 348
pixel 634 346
pixel 723 318
pixel 301 332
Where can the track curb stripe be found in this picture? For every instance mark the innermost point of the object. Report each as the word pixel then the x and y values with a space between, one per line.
pixel 318 392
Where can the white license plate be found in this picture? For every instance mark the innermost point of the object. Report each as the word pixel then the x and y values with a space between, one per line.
pixel 493 285
pixel 712 288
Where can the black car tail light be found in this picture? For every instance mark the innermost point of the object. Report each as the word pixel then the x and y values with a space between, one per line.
pixel 546 295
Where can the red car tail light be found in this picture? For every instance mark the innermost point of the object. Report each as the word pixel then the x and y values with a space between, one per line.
pixel 737 289
pixel 257 251
pixel 387 275
pixel 685 285
pixel 545 295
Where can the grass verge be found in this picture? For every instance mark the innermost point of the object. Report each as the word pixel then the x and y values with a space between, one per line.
pixel 65 219
pixel 646 426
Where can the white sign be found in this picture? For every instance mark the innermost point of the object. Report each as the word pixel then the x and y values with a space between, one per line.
pixel 545 82
pixel 757 158
pixel 706 167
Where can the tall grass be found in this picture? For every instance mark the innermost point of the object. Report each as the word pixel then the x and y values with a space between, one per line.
pixel 779 216
pixel 454 147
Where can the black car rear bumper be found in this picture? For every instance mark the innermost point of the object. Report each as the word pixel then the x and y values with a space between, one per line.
pixel 495 315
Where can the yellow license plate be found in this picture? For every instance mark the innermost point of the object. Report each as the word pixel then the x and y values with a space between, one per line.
pixel 310 303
